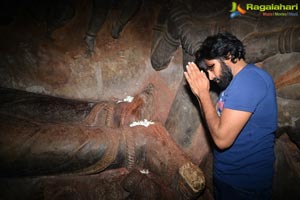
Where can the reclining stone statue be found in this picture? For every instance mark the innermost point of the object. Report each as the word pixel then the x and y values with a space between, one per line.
pixel 95 138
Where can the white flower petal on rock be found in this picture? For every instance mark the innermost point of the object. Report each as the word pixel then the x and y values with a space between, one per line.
pixel 145 123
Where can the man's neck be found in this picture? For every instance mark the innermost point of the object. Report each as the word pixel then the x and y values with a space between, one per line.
pixel 237 67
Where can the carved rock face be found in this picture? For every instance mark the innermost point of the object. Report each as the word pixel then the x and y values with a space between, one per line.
pixel 285 70
pixel 122 66
pixel 89 141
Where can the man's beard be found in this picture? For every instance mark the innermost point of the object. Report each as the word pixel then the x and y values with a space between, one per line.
pixel 225 78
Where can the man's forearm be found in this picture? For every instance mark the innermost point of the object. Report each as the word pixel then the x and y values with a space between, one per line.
pixel 210 114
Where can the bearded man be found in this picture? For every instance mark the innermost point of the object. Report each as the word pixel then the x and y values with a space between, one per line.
pixel 244 120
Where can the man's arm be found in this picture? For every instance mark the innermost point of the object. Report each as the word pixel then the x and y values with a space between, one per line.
pixel 224 129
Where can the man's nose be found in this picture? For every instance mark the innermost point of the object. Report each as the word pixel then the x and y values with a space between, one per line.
pixel 211 75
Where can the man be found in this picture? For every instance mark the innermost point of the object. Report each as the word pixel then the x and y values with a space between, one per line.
pixel 243 123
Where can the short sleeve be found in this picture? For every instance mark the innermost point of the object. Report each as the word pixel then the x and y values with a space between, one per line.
pixel 245 92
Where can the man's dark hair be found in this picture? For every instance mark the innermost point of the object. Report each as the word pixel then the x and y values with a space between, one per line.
pixel 220 46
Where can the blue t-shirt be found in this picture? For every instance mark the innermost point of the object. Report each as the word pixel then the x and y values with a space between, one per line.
pixel 248 163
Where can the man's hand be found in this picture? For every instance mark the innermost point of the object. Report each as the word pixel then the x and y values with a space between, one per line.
pixel 197 79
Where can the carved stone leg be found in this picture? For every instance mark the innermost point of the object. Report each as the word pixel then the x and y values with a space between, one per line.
pixel 129 9
pixel 99 13
pixel 156 151
pixel 263 45
pixel 33 149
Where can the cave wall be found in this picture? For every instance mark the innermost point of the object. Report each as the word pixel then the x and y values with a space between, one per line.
pixel 57 65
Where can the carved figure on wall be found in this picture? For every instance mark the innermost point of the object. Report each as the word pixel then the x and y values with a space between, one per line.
pixel 96 137
pixel 100 10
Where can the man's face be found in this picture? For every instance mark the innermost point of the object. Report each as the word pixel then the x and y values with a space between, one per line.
pixel 219 72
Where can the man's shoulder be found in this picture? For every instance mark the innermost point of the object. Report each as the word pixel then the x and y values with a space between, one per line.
pixel 255 70
pixel 253 73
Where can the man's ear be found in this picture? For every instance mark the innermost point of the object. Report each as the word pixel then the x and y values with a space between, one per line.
pixel 228 56
pixel 228 61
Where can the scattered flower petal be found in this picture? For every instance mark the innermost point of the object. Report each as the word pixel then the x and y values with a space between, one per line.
pixel 145 123
pixel 127 99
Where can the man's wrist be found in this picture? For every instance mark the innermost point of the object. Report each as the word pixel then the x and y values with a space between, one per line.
pixel 203 95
